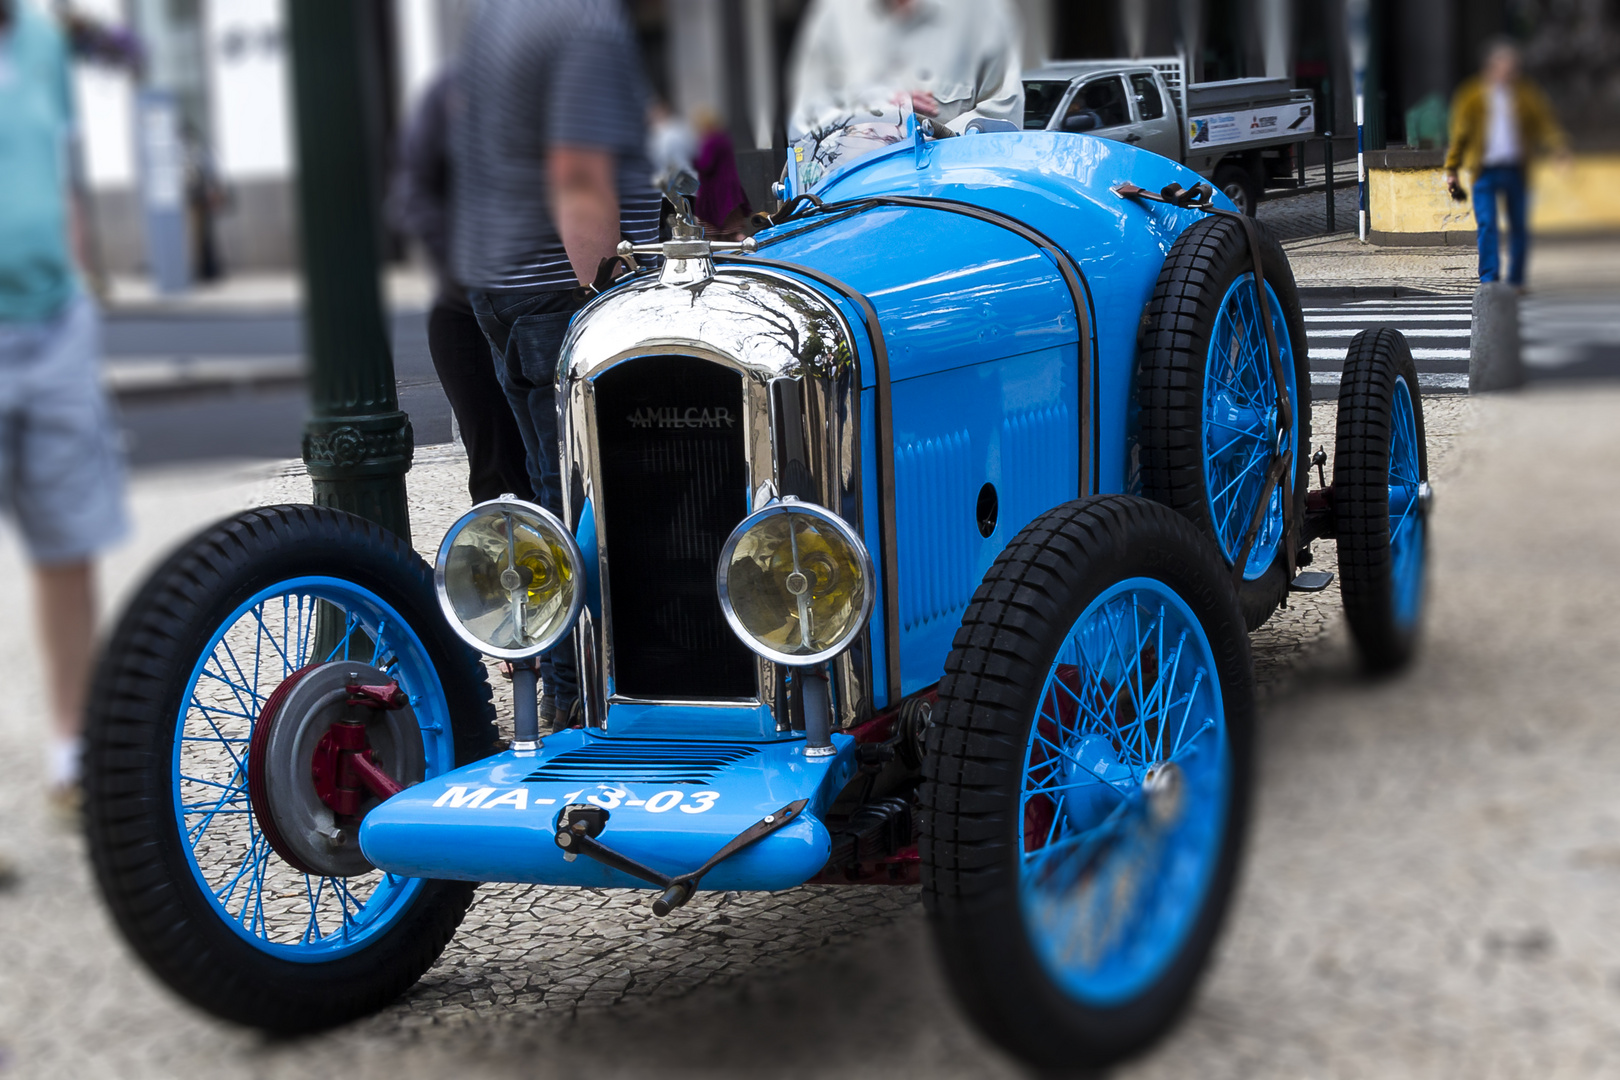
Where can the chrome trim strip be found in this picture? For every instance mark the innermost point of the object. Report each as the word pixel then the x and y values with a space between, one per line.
pixel 884 445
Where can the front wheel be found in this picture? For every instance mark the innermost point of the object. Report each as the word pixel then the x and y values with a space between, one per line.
pixel 222 821
pixel 1086 782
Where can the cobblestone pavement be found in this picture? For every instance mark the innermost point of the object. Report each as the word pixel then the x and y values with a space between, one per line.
pixel 1294 216
pixel 1343 261
pixel 1428 892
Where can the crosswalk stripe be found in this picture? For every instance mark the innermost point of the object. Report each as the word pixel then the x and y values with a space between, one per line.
pixel 1417 354
pixel 1466 305
pixel 1427 380
pixel 1459 317
pixel 1426 333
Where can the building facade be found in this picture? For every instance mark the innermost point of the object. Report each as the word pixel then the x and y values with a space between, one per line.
pixel 224 66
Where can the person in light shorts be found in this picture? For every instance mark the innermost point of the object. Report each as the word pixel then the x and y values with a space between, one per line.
pixel 61 477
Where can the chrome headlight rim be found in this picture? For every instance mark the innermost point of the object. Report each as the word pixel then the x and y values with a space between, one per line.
pixel 787 504
pixel 576 561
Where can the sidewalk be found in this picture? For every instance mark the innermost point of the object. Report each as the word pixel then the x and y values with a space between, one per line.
pixel 405 288
pixel 1428 891
pixel 1346 266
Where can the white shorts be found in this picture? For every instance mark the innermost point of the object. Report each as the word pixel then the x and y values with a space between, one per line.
pixel 61 464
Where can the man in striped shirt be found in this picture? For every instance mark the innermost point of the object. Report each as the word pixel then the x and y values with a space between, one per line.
pixel 547 140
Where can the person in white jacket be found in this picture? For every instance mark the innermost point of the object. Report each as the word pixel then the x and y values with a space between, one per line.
pixel 957 59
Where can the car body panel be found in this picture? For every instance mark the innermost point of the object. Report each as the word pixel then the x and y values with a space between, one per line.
pixel 1059 184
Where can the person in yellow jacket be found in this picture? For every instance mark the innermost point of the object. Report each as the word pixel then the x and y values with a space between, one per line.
pixel 1500 121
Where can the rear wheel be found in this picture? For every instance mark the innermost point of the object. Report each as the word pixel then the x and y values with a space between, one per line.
pixel 221 829
pixel 1086 782
pixel 1380 498
pixel 1210 404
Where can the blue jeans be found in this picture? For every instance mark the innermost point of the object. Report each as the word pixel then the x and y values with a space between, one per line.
pixel 525 332
pixel 1505 180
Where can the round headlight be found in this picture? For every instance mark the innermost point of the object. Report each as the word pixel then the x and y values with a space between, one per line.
pixel 510 579
pixel 795 583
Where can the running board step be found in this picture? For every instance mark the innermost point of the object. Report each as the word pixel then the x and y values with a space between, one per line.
pixel 1311 581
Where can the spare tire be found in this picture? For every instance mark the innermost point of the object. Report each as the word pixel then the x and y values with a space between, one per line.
pixel 1208 402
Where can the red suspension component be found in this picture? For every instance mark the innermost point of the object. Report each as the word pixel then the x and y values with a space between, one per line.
pixel 343 767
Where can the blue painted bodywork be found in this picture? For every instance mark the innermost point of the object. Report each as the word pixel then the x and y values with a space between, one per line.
pixel 983 343
pixel 671 806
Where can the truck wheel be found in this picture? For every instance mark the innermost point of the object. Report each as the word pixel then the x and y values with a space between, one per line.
pixel 1380 498
pixel 1086 782
pixel 1209 403
pixel 213 704
pixel 1239 185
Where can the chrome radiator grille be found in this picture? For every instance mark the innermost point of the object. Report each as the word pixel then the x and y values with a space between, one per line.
pixel 673 485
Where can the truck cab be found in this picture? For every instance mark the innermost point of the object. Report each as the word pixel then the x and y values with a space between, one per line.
pixel 1243 134
pixel 1130 104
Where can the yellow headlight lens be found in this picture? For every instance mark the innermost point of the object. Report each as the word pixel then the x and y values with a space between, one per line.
pixel 510 579
pixel 795 583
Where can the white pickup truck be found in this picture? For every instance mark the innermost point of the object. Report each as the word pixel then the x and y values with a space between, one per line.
pixel 1241 133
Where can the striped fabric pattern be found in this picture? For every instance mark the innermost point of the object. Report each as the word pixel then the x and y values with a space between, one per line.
pixel 533 75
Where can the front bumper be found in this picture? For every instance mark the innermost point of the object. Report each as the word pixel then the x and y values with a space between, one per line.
pixel 671 804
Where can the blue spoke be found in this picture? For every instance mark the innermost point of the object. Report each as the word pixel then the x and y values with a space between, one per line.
pixel 349 624
pixel 278 646
pixel 377 645
pixel 226 798
pixel 312 931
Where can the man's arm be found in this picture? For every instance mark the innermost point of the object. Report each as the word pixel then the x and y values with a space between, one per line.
pixel 584 205
pixel 1544 127
pixel 1461 132
pixel 1000 89
pixel 816 78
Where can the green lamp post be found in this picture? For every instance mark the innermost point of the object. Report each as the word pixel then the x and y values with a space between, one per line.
pixel 357 442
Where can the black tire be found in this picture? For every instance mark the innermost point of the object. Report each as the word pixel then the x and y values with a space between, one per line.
pixel 1238 184
pixel 971 827
pixel 1374 362
pixel 139 857
pixel 1173 349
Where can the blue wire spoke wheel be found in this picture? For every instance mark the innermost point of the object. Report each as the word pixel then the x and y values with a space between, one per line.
pixel 282 631
pixel 221 842
pixel 1210 403
pixel 1406 511
pixel 1381 498
pixel 1086 781
pixel 1127 773
pixel 1241 423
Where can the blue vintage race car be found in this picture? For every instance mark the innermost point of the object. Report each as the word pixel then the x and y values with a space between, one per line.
pixel 915 540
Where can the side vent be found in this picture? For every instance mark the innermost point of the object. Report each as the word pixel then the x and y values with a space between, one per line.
pixel 1039 465
pixel 935 497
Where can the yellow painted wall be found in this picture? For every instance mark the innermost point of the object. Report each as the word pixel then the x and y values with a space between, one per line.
pixel 1577 198
pixel 1414 201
